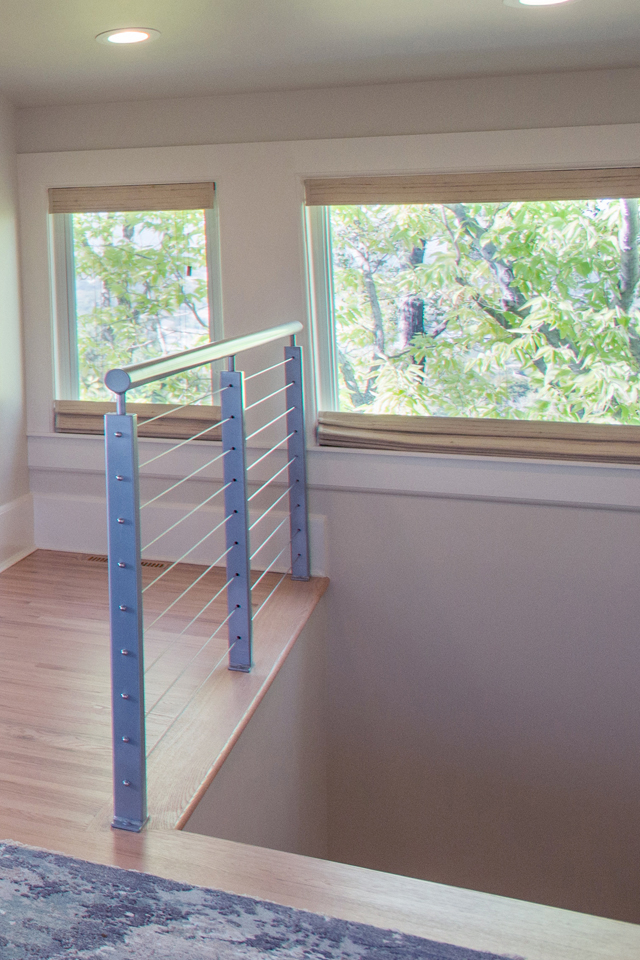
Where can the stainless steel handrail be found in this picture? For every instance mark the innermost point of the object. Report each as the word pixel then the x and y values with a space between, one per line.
pixel 121 379
pixel 123 524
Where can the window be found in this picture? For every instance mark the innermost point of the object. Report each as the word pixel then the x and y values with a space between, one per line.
pixel 135 279
pixel 498 313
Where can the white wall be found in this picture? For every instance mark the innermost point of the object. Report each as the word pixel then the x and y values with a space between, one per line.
pixel 16 521
pixel 578 98
pixel 483 612
pixel 272 789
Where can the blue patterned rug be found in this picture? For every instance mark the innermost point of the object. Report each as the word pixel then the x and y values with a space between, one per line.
pixel 56 908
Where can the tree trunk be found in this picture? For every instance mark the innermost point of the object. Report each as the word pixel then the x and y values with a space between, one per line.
pixel 629 259
pixel 411 320
pixel 376 310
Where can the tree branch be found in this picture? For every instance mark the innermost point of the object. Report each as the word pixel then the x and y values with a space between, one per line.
pixel 191 306
pixel 358 398
pixel 513 299
pixel 376 310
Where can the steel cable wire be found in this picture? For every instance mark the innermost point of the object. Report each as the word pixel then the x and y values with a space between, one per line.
pixel 270 480
pixel 174 642
pixel 204 682
pixel 267 369
pixel 270 537
pixel 190 403
pixel 266 600
pixel 186 516
pixel 269 452
pixel 268 511
pixel 186 667
pixel 271 422
pixel 188 477
pixel 190 550
pixel 275 560
pixel 190 587
pixel 214 426
pixel 268 396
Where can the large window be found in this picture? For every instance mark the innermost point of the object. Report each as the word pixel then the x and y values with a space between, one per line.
pixel 135 279
pixel 485 307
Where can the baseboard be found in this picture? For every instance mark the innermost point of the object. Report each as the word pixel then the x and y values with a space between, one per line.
pixel 16 557
pixel 16 531
pixel 78 524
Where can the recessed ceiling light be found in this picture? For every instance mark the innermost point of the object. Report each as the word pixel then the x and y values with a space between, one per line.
pixel 128 35
pixel 535 3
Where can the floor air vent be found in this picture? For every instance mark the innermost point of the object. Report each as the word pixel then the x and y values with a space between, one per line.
pixel 156 564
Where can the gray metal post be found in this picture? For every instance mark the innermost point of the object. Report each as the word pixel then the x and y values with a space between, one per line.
pixel 125 603
pixel 297 447
pixel 237 532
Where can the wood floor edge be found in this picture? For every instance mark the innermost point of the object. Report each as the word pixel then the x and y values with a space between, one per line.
pixel 242 725
pixel 465 918
pixel 319 586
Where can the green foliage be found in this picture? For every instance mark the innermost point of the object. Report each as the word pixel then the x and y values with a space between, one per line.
pixel 141 292
pixel 512 310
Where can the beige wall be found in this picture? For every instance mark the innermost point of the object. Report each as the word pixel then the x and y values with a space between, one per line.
pixel 272 789
pixel 577 98
pixel 16 523
pixel 483 673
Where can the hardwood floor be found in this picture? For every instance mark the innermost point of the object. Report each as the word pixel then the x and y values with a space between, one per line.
pixel 55 762
pixel 54 695
pixel 55 716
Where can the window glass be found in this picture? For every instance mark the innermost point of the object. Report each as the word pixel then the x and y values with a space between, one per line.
pixel 139 290
pixel 519 310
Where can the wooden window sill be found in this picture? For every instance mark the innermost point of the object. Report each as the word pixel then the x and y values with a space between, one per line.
pixel 605 443
pixel 87 416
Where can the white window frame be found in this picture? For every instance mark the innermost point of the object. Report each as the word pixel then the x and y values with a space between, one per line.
pixel 320 287
pixel 449 435
pixel 66 371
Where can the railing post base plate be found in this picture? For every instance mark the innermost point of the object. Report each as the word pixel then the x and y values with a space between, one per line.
pixel 133 826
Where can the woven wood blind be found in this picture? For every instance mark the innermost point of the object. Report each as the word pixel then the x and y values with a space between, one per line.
pixel 486 438
pixel 87 416
pixel 477 187
pixel 154 196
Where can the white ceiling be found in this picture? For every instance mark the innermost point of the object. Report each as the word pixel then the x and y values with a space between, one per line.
pixel 48 53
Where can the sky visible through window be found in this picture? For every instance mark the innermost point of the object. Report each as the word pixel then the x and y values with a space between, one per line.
pixel 141 292
pixel 525 310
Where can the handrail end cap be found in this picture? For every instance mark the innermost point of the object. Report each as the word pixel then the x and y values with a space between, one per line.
pixel 118 381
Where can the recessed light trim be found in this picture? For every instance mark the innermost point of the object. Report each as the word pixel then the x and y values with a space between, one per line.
pixel 128 35
pixel 536 3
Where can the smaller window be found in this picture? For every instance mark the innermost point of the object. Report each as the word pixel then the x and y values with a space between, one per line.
pixel 136 277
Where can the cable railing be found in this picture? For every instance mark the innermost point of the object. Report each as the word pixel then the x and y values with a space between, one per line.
pixel 193 591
